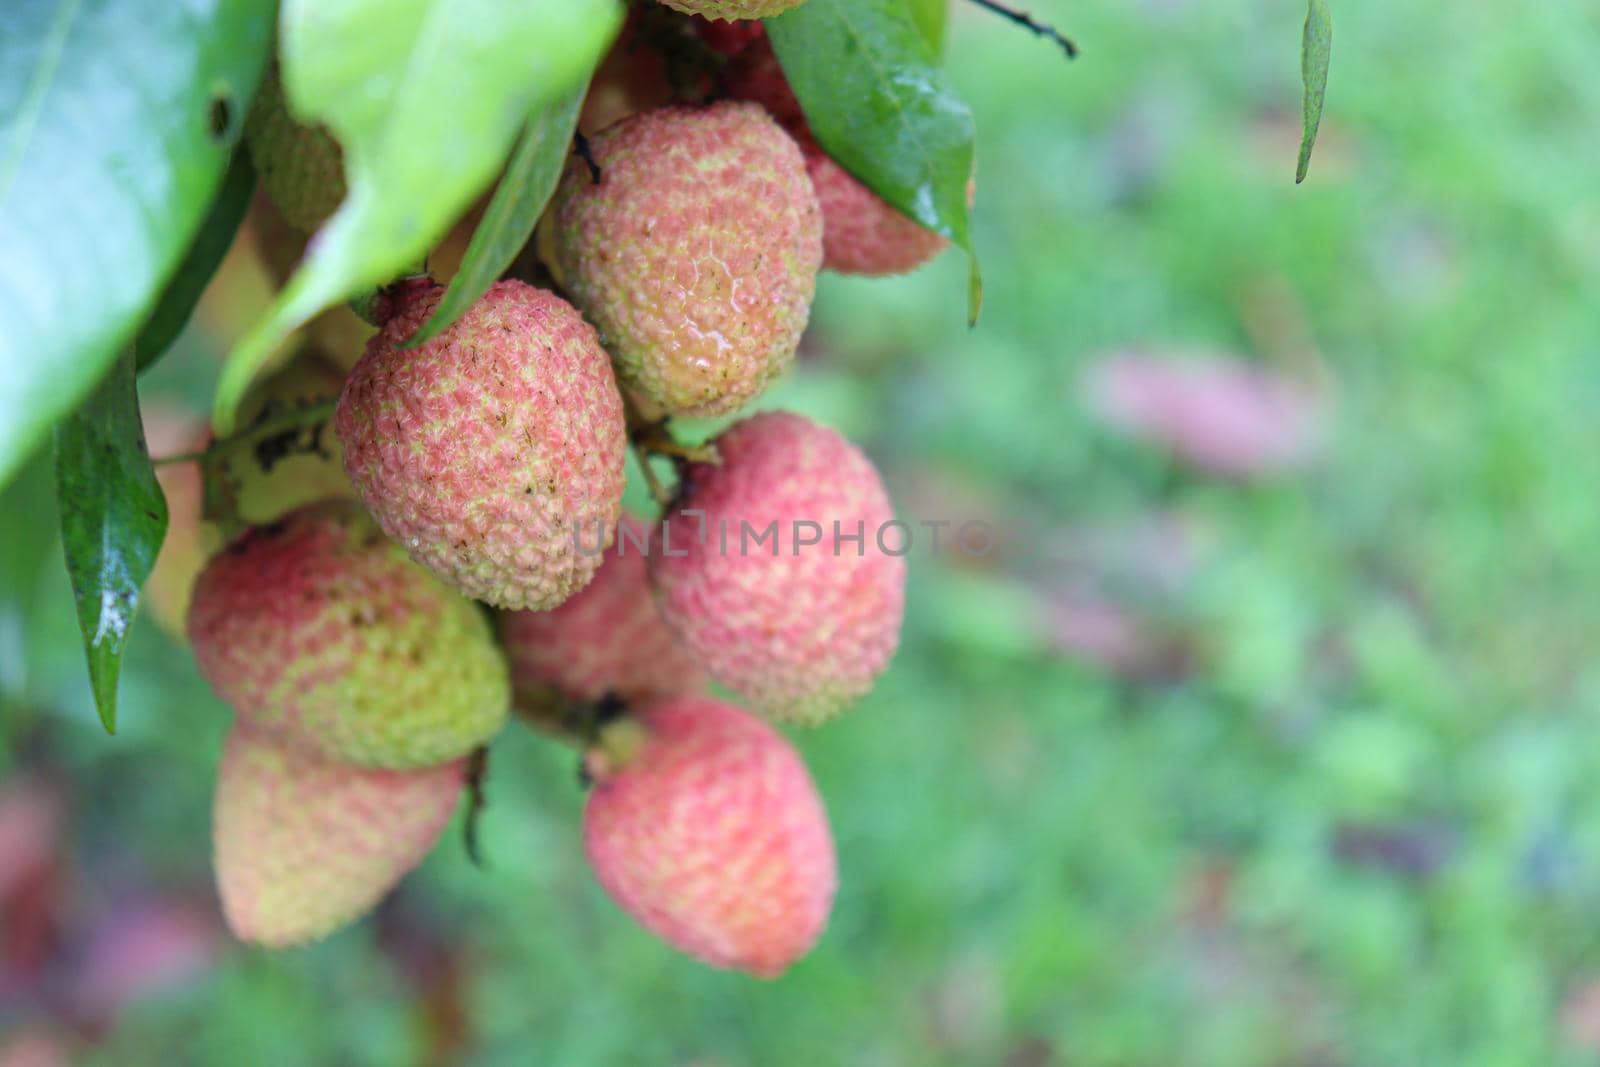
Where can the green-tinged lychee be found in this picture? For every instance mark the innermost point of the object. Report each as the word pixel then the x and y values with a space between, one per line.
pixel 318 628
pixel 696 252
pixel 300 166
pixel 609 639
pixel 490 450
pixel 781 567
pixel 704 825
pixel 305 845
pixel 733 9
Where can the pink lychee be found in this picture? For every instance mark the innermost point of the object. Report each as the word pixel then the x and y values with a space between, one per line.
pixel 781 567
pixel 704 825
pixel 488 449
pixel 608 639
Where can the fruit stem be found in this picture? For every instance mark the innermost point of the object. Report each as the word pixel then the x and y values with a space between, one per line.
pixel 377 306
pixel 309 415
pixel 614 747
pixel 658 492
pixel 1022 18
pixel 655 438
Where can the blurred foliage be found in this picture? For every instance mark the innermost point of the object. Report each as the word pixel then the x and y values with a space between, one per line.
pixel 1290 770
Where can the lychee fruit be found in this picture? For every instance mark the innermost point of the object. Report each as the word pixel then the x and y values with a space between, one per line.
pixel 696 253
pixel 319 628
pixel 491 449
pixel 861 232
pixel 781 567
pixel 730 10
pixel 278 472
pixel 704 825
pixel 609 639
pixel 301 167
pixel 305 845
pixel 754 74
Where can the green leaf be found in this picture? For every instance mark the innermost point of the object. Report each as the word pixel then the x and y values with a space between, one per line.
pixel 525 189
pixel 931 16
pixel 877 102
pixel 116 121
pixel 426 98
pixel 113 517
pixel 1315 47
pixel 199 263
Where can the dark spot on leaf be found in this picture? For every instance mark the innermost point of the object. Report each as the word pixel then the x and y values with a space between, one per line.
pixel 221 117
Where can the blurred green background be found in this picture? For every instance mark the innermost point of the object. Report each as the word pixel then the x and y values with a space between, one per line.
pixel 1293 768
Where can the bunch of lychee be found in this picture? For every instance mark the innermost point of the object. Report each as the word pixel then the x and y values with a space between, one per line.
pixel 456 549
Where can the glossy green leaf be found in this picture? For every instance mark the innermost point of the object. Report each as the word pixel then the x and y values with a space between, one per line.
pixel 116 122
pixel 877 101
pixel 529 181
pixel 426 97
pixel 113 517
pixel 1316 46
pixel 205 254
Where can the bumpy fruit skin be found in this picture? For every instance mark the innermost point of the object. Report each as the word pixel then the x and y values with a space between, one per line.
pixel 301 167
pixel 486 450
pixel 608 639
pixel 861 232
pixel 284 471
pixel 799 631
pixel 733 9
pixel 318 628
pixel 710 833
pixel 696 254
pixel 305 845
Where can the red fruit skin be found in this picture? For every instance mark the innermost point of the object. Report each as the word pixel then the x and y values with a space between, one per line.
pixel 480 450
pixel 798 631
pixel 696 254
pixel 608 639
pixel 713 837
pixel 305 845
pixel 754 74
pixel 729 38
pixel 861 232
